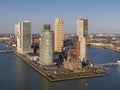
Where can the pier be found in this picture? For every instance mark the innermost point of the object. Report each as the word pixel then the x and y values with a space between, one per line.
pixel 6 51
pixel 108 64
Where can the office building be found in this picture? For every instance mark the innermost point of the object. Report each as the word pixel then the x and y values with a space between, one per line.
pixel 46 46
pixel 58 35
pixel 82 33
pixel 23 35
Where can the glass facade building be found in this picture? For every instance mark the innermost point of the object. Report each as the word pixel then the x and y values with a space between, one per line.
pixel 46 46
pixel 82 33
pixel 24 37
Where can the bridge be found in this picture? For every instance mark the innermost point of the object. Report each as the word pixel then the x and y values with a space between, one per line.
pixel 6 51
pixel 109 64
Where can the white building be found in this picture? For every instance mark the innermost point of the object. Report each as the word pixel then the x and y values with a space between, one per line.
pixel 23 35
pixel 82 33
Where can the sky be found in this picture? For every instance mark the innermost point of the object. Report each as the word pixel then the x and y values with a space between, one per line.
pixel 103 15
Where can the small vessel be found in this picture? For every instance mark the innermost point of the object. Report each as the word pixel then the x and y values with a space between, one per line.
pixel 118 61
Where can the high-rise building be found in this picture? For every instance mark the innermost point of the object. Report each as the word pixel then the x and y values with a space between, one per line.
pixel 46 46
pixel 58 35
pixel 23 35
pixel 82 33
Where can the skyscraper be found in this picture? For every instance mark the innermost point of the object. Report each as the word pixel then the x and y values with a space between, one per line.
pixel 58 35
pixel 46 46
pixel 82 32
pixel 23 35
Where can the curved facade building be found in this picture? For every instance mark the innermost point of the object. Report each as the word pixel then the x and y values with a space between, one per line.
pixel 46 46
pixel 58 35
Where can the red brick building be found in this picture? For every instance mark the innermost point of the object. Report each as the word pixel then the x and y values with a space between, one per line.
pixel 77 49
pixel 35 40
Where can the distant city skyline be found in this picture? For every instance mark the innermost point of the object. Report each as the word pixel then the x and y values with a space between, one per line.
pixel 103 15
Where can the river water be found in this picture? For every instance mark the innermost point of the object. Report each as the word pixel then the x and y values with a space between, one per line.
pixel 17 75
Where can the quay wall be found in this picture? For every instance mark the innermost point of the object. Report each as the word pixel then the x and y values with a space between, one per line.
pixel 58 78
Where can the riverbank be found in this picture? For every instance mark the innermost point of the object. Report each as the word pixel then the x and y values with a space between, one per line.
pixel 106 47
pixel 51 74
pixel 112 48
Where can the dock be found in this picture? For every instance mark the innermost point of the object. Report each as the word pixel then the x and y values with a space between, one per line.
pixel 109 64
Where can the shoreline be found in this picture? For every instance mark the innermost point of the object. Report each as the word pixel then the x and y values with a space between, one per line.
pixel 53 77
pixel 105 47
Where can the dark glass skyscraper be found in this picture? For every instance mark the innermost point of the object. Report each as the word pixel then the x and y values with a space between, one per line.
pixel 23 33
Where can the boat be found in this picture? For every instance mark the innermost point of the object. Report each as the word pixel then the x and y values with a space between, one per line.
pixel 118 61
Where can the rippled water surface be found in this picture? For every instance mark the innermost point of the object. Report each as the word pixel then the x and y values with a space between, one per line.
pixel 17 75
